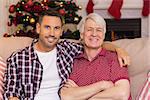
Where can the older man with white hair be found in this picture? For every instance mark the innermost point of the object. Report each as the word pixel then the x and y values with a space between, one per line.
pixel 96 74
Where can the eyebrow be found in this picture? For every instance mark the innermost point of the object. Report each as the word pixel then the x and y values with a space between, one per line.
pixel 51 26
pixel 95 27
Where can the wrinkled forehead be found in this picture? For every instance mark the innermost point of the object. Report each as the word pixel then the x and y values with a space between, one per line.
pixel 89 23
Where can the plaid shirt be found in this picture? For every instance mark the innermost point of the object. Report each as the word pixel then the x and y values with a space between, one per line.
pixel 24 73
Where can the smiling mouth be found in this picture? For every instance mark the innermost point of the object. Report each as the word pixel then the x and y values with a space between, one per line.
pixel 51 39
pixel 94 39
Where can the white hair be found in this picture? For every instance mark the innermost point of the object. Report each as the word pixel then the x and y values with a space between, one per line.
pixel 94 16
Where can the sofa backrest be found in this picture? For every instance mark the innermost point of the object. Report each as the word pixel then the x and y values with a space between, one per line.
pixel 11 44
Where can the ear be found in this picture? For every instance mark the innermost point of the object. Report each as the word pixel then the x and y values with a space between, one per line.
pixel 81 36
pixel 38 28
pixel 62 29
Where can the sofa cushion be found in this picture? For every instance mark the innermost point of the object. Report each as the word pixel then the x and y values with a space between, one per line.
pixel 138 50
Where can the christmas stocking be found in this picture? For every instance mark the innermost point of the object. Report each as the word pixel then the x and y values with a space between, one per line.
pixel 115 8
pixel 146 7
pixel 89 8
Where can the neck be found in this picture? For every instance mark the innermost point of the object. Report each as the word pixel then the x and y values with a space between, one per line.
pixel 91 53
pixel 39 47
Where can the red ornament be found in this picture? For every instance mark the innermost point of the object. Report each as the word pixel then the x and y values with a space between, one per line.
pixel 12 9
pixel 26 6
pixel 46 7
pixel 19 14
pixel 30 3
pixel 70 15
pixel 9 23
pixel 15 21
pixel 6 35
pixel 37 8
pixel 68 2
pixel 18 5
pixel 62 11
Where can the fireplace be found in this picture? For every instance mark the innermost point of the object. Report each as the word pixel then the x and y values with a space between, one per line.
pixel 123 28
pixel 131 24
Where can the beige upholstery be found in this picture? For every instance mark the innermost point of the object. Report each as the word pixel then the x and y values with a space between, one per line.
pixel 137 48
pixel 139 51
pixel 9 45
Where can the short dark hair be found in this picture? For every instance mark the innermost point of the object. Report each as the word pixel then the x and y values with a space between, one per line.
pixel 51 13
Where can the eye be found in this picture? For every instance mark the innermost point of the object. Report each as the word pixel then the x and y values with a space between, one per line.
pixel 47 27
pixel 57 28
pixel 99 30
pixel 89 29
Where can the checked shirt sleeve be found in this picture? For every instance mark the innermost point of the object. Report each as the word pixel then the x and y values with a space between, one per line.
pixel 72 47
pixel 12 81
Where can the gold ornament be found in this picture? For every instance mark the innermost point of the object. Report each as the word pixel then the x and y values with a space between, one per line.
pixel 76 19
pixel 27 17
pixel 32 20
pixel 42 5
pixel 61 5
pixel 80 7
pixel 18 31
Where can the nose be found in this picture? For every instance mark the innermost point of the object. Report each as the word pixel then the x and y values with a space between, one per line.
pixel 52 32
pixel 94 33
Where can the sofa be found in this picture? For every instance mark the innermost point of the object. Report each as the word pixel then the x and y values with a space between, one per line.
pixel 138 50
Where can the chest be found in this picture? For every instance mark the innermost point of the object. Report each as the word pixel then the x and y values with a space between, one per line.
pixel 85 72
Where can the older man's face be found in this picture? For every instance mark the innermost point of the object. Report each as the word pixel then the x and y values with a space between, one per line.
pixel 93 34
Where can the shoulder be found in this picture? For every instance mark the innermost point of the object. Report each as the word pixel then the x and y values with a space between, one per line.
pixel 70 45
pixel 69 42
pixel 110 54
pixel 19 52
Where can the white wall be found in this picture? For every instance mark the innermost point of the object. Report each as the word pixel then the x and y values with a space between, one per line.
pixel 3 17
pixel 4 13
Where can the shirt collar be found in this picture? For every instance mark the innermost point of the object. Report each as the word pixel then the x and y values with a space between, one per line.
pixel 32 50
pixel 84 55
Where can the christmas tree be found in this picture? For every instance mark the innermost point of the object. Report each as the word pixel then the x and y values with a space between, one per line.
pixel 24 14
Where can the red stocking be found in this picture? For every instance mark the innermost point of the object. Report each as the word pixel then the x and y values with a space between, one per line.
pixel 146 7
pixel 115 8
pixel 89 8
